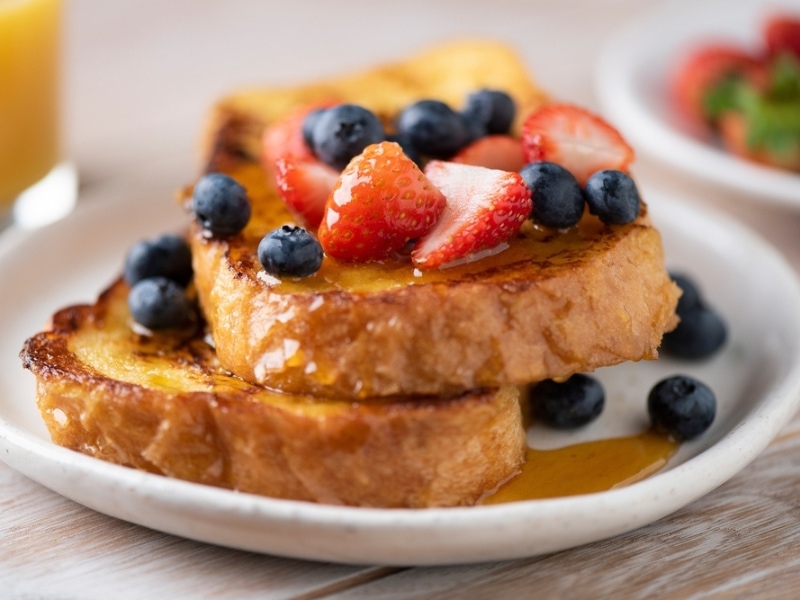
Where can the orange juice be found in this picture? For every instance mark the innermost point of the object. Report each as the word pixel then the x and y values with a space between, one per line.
pixel 29 57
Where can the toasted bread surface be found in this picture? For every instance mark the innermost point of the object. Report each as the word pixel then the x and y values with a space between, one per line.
pixel 162 403
pixel 549 305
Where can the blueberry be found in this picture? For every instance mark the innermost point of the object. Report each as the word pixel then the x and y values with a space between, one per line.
pixel 557 196
pixel 406 145
pixel 309 123
pixel 291 251
pixel 165 256
pixel 433 128
pixel 613 197
pixel 493 109
pixel 700 333
pixel 681 406
pixel 159 303
pixel 220 204
pixel 342 132
pixel 691 296
pixel 568 404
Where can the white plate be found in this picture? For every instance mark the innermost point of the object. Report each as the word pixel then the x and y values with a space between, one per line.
pixel 756 378
pixel 631 80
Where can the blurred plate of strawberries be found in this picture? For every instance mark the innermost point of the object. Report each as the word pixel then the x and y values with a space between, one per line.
pixel 712 88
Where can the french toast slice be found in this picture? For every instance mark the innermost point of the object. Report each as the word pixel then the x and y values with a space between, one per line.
pixel 162 403
pixel 548 306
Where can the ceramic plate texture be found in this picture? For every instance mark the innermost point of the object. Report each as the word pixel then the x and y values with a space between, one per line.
pixel 631 79
pixel 756 379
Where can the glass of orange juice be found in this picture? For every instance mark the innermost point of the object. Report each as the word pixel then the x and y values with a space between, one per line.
pixel 36 186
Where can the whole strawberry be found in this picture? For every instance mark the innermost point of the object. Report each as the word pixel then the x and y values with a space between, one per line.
pixel 485 208
pixel 381 201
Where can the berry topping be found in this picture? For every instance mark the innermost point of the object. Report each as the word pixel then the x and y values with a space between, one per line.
pixel 159 303
pixel 613 197
pixel 304 186
pixel 341 132
pixel 381 202
pixel 309 122
pixel 433 128
pixel 485 207
pixel 493 110
pixel 302 180
pixel 701 331
pixel 557 197
pixel 493 152
pixel 681 406
pixel 166 256
pixel 291 251
pixel 575 138
pixel 220 204
pixel 569 404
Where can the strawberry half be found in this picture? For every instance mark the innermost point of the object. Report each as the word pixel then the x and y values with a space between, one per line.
pixel 381 201
pixel 705 68
pixel 493 152
pixel 782 34
pixel 485 207
pixel 578 140
pixel 302 180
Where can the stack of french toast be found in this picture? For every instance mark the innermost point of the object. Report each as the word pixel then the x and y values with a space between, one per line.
pixel 368 383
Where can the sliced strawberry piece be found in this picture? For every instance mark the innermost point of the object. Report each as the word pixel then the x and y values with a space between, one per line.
pixel 302 180
pixel 485 207
pixel 493 152
pixel 578 140
pixel 381 201
pixel 304 185
pixel 782 34
pixel 705 68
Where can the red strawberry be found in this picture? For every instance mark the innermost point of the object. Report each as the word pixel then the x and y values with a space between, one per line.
pixel 733 129
pixel 485 207
pixel 575 138
pixel 704 68
pixel 493 152
pixel 782 34
pixel 381 202
pixel 302 180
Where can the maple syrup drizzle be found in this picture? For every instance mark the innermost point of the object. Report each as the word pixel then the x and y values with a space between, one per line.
pixel 588 467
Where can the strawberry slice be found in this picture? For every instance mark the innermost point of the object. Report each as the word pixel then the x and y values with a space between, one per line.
pixel 578 140
pixel 381 201
pixel 782 34
pixel 302 180
pixel 705 68
pixel 485 207
pixel 493 152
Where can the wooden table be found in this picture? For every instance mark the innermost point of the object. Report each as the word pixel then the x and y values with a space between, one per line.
pixel 139 76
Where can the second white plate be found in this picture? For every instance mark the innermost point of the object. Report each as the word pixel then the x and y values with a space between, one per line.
pixel 631 80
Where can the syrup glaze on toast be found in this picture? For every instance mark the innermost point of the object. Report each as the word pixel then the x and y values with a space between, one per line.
pixel 163 404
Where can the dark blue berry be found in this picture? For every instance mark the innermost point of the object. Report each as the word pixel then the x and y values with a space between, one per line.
pixel 220 204
pixel 613 197
pixel 291 251
pixel 493 109
pixel 406 145
pixel 700 333
pixel 159 303
pixel 569 404
pixel 557 196
pixel 691 297
pixel 681 406
pixel 165 256
pixel 309 123
pixel 433 128
pixel 342 132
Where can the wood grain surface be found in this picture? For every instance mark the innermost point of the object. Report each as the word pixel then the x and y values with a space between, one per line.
pixel 139 75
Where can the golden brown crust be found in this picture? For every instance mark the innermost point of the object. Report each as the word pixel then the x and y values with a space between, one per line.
pixel 164 405
pixel 551 305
